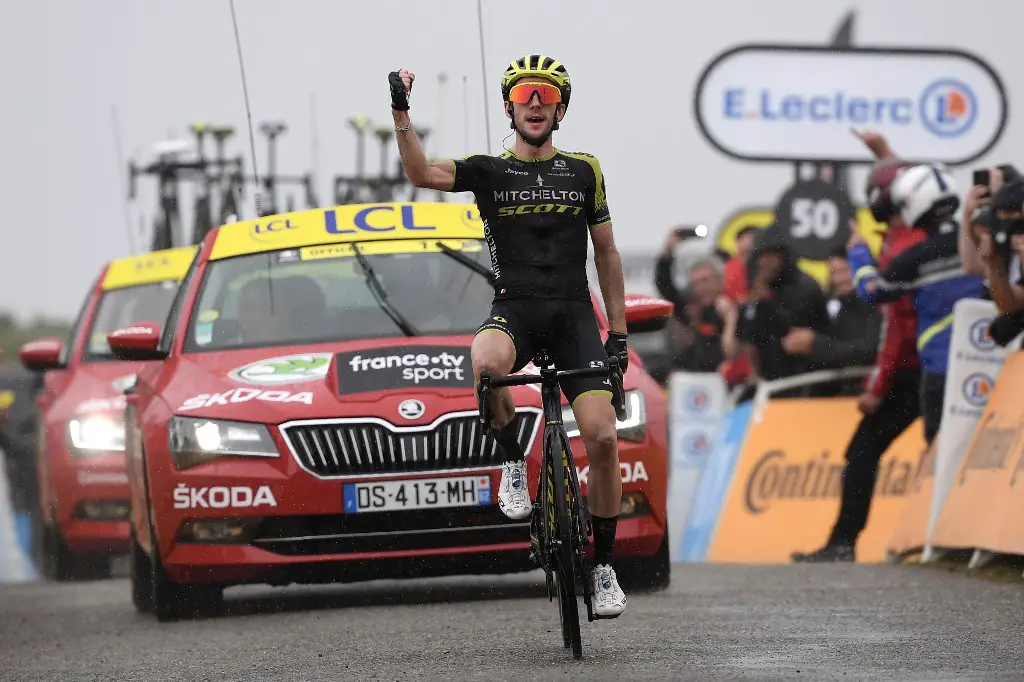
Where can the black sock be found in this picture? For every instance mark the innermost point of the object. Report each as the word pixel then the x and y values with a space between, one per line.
pixel 508 440
pixel 604 538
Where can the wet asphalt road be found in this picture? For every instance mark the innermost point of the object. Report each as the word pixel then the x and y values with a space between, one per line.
pixel 715 622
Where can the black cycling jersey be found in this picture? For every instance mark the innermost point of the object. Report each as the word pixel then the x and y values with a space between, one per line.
pixel 537 215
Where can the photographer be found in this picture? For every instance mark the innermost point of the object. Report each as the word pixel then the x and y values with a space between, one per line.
pixel 996 233
pixel 699 307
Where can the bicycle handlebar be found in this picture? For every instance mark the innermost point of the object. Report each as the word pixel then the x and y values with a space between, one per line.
pixel 548 378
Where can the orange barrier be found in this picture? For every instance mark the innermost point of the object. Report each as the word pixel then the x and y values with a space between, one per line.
pixel 908 534
pixel 983 508
pixel 784 494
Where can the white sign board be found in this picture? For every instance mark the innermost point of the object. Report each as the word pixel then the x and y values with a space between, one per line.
pixel 697 402
pixel 974 364
pixel 798 103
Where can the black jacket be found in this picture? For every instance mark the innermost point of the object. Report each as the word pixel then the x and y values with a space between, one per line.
pixel 852 337
pixel 798 301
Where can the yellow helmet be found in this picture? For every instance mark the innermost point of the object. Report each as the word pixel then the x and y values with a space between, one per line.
pixel 537 65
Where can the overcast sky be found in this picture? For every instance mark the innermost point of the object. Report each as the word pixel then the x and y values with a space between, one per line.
pixel 166 63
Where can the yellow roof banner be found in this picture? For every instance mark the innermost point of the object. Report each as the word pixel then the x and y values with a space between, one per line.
pixel 346 224
pixel 725 239
pixel 147 268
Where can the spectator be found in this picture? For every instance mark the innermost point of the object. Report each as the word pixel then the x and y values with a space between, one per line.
pixel 890 402
pixel 735 286
pixel 1001 265
pixel 781 298
pixel 698 308
pixel 852 335
pixel 930 272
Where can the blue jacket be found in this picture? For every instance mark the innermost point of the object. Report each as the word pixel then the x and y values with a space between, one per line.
pixel 931 273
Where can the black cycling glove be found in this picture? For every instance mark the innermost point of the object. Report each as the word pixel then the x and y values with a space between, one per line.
pixel 615 346
pixel 399 97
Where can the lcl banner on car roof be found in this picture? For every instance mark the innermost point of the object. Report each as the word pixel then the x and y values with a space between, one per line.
pixel 350 223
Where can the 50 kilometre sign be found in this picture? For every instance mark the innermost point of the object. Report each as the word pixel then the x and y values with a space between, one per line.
pixel 798 103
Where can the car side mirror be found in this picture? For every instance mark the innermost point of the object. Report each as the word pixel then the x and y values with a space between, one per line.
pixel 42 354
pixel 646 313
pixel 136 342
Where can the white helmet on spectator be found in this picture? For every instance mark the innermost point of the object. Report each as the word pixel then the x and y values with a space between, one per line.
pixel 925 195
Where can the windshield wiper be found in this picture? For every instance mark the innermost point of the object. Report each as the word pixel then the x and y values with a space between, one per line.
pixel 380 295
pixel 473 265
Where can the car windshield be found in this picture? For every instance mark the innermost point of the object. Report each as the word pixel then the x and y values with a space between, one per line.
pixel 122 307
pixel 320 294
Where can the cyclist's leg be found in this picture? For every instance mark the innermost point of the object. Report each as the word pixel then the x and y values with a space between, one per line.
pixel 501 347
pixel 580 346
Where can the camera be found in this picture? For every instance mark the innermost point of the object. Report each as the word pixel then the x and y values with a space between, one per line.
pixel 1004 216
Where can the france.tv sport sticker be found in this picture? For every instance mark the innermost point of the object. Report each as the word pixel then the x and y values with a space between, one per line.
pixel 382 369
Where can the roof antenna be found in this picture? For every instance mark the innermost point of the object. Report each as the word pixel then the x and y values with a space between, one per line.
pixel 252 144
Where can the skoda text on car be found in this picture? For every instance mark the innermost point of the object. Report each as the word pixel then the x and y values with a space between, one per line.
pixel 83 489
pixel 314 419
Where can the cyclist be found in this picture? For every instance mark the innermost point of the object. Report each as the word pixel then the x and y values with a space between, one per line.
pixel 537 204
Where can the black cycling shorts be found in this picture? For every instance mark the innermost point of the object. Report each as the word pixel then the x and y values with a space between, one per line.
pixel 566 328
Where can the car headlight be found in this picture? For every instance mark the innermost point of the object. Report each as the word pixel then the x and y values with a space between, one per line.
pixel 197 441
pixel 632 428
pixel 94 434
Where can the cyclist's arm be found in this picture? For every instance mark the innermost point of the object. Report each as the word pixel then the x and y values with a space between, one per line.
pixel 607 261
pixel 608 264
pixel 439 175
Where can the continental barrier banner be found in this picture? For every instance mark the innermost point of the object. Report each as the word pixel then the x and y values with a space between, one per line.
pixel 697 402
pixel 975 361
pixel 783 494
pixel 976 513
pixel 909 532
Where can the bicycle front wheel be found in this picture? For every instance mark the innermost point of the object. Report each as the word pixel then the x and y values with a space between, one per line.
pixel 565 565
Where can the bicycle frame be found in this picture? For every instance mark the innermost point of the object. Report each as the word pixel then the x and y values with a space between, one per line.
pixel 558 463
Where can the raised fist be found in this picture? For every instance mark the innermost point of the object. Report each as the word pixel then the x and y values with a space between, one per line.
pixel 401 86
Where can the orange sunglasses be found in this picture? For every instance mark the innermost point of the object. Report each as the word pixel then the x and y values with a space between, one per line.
pixel 523 93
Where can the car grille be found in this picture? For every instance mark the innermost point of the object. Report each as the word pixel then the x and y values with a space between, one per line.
pixel 331 448
pixel 416 529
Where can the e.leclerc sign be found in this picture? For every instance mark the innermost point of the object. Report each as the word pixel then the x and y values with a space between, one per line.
pixel 797 103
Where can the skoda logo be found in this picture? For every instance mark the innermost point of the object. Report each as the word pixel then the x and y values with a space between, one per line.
pixel 411 409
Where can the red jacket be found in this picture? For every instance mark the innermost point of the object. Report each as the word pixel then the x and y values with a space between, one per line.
pixel 897 345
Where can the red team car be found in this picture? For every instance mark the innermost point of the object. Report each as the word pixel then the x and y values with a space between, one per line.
pixel 313 416
pixel 80 447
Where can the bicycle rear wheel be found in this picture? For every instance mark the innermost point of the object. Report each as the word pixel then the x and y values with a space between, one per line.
pixel 565 550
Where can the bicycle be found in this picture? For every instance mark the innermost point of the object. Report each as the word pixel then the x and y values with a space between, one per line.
pixel 560 527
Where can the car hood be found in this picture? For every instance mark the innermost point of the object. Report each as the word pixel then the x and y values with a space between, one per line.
pixel 332 380
pixel 99 387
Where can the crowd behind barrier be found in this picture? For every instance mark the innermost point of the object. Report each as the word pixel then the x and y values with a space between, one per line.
pixel 755 478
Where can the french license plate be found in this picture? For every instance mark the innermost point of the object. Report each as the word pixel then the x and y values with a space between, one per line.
pixel 421 493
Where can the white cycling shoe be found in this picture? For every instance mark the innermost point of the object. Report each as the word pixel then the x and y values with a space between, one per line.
pixel 513 497
pixel 608 599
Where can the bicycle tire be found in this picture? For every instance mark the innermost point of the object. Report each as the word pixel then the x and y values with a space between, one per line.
pixel 565 560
